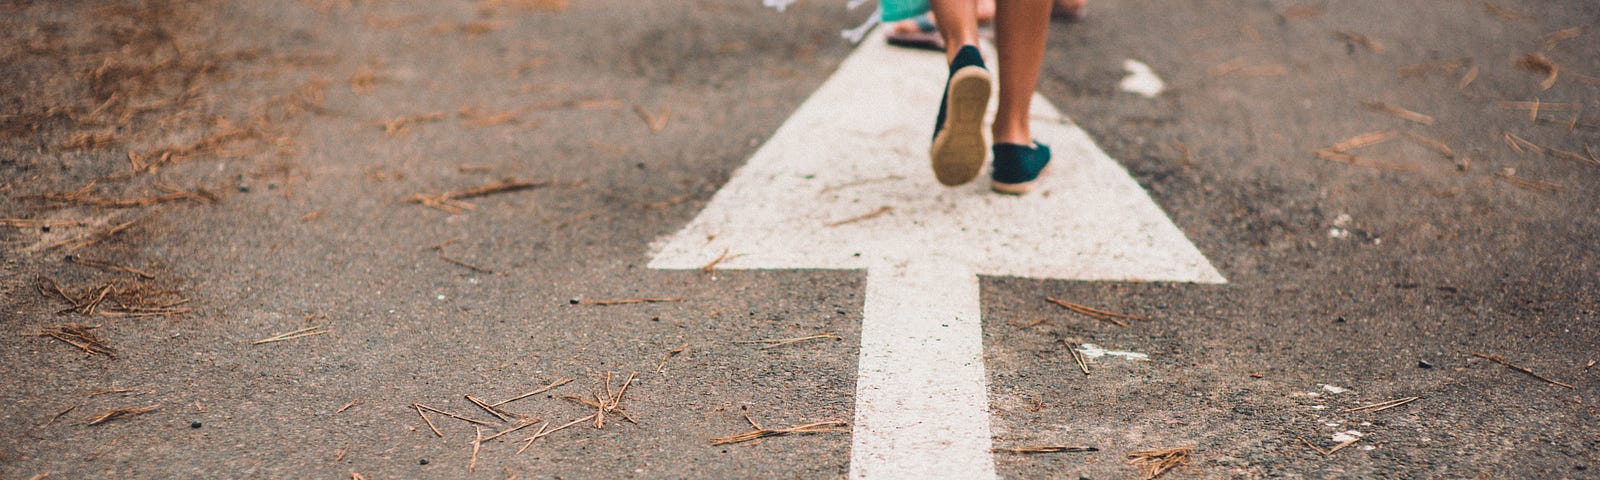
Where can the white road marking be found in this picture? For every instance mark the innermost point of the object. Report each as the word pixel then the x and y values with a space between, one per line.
pixel 921 404
pixel 1141 79
pixel 1091 350
pixel 814 196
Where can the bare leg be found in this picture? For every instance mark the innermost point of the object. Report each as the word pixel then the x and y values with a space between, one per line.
pixel 985 11
pixel 958 22
pixel 1021 27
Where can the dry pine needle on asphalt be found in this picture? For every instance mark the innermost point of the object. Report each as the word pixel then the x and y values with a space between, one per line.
pixel 80 336
pixel 766 344
pixel 1095 313
pixel 121 413
pixel 1502 360
pixel 1153 463
pixel 758 433
pixel 1048 449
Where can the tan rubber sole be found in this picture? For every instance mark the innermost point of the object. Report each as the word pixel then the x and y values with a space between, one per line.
pixel 1021 188
pixel 961 147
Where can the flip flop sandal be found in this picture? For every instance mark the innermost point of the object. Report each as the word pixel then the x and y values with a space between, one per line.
pixel 925 37
pixel 1068 15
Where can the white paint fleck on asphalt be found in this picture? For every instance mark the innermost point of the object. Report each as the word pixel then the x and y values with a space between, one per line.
pixel 845 184
pixel 1141 79
pixel 1334 390
pixel 1091 350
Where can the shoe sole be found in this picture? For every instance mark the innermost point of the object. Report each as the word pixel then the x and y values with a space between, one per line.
pixel 1020 188
pixel 960 149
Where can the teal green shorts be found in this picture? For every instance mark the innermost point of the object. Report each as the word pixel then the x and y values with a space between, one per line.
pixel 896 10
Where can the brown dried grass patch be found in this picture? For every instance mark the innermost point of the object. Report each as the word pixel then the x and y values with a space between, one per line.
pixel 1153 463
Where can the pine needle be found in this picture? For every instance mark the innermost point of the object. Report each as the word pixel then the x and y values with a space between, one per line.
pixel 818 427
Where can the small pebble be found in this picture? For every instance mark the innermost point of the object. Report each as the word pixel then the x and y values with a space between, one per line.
pixel 195 424
pixel 422 462
pixel 44 228
pixel 244 189
pixel 1424 364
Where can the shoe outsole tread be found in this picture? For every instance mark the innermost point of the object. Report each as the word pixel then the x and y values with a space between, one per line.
pixel 961 147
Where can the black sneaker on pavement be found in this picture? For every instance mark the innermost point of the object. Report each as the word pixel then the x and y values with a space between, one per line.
pixel 1017 168
pixel 959 145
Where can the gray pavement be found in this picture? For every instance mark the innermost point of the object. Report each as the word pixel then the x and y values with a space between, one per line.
pixel 299 131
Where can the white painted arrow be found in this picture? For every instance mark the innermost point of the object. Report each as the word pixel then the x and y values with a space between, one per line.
pixel 845 184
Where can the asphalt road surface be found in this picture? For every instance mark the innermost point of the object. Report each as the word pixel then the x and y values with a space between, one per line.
pixel 291 239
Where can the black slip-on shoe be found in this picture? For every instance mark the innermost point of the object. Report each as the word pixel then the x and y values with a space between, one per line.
pixel 1017 168
pixel 959 143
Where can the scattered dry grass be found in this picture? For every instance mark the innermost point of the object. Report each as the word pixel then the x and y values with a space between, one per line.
pixel 759 433
pixel 1301 12
pixel 80 336
pixel 472 118
pixel 1364 140
pixel 1506 14
pixel 1362 40
pixel 661 368
pixel 121 413
pixel 1522 145
pixel 301 333
pixel 401 125
pixel 1095 313
pixel 1509 175
pixel 1502 360
pixel 1153 463
pixel 872 214
pixel 549 6
pixel 536 391
pixel 655 122
pixel 610 403
pixel 626 301
pixel 74 259
pixel 1549 42
pixel 1048 449
pixel 1381 406
pixel 108 299
pixel 1399 112
pixel 766 344
pixel 451 201
pixel 1537 62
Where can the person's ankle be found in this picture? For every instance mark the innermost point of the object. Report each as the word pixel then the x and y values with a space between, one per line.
pixel 1013 138
pixel 951 53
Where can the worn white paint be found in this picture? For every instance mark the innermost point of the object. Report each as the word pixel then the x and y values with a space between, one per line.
pixel 859 146
pixel 921 405
pixel 1141 79
pixel 1090 350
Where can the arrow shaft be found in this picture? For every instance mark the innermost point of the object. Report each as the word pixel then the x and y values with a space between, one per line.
pixel 922 409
